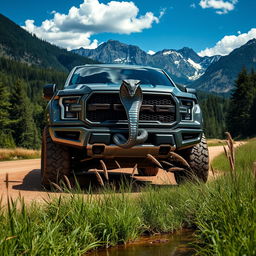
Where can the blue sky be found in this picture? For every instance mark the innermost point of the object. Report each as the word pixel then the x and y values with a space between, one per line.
pixel 181 23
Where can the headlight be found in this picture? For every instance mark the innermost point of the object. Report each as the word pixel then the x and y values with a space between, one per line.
pixel 70 107
pixel 186 109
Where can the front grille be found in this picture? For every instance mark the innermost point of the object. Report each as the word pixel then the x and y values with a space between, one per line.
pixel 107 108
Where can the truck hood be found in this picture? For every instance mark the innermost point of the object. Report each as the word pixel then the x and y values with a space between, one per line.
pixel 82 89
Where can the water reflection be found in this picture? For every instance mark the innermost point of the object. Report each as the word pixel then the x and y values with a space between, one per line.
pixel 177 244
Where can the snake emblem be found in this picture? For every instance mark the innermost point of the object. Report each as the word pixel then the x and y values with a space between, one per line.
pixel 131 97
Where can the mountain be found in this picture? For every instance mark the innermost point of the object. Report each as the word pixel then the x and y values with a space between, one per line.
pixel 17 44
pixel 213 74
pixel 220 76
pixel 184 65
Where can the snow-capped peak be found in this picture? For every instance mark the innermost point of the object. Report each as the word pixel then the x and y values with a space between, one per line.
pixel 169 52
pixel 194 64
pixel 150 52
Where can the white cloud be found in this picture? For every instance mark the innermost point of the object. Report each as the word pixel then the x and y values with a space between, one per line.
pixel 228 43
pixel 150 52
pixel 221 7
pixel 74 29
pixel 162 12
pixel 193 5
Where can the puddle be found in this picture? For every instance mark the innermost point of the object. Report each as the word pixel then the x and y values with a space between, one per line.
pixel 177 244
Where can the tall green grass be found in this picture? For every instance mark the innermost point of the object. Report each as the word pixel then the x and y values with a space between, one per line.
pixel 227 222
pixel 244 156
pixel 222 211
pixel 69 225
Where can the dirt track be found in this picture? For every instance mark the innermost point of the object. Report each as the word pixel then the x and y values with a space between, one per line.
pixel 24 177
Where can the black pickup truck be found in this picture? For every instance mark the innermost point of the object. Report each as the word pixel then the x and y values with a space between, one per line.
pixel 123 114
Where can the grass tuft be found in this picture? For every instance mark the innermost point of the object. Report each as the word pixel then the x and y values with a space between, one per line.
pixel 18 154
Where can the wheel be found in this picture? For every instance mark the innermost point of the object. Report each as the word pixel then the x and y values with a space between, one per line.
pixel 55 160
pixel 198 159
pixel 148 171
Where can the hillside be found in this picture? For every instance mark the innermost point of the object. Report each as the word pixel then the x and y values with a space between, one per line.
pixel 221 75
pixel 21 105
pixel 17 44
pixel 184 65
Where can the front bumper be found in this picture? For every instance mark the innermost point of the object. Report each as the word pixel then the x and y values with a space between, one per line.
pixel 99 141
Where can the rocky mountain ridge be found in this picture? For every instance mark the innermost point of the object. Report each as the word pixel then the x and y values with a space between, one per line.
pixel 184 65
pixel 220 76
pixel 17 44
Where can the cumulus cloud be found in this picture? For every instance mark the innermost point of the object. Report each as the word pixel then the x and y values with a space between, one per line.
pixel 221 7
pixel 74 29
pixel 228 43
pixel 65 39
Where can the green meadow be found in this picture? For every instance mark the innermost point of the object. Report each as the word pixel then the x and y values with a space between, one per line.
pixel 222 213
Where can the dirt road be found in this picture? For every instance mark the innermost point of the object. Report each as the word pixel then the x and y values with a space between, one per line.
pixel 24 177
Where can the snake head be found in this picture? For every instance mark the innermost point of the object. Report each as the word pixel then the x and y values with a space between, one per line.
pixel 131 86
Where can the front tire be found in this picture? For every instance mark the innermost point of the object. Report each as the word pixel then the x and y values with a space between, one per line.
pixel 55 160
pixel 198 159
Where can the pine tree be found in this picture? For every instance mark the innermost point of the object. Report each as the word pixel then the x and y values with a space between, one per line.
pixel 253 118
pixel 6 139
pixel 4 107
pixel 32 78
pixel 214 110
pixel 239 117
pixel 24 129
pixel 253 108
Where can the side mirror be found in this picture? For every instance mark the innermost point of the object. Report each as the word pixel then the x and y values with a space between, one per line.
pixel 49 90
pixel 191 90
pixel 183 88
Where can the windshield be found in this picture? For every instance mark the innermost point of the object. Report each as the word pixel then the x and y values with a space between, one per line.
pixel 112 75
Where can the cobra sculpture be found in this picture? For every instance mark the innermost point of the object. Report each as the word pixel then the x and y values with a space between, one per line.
pixel 131 97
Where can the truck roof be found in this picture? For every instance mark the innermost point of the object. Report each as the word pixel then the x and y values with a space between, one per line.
pixel 117 66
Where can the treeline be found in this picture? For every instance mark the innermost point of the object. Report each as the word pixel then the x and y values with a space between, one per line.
pixel 214 110
pixel 241 118
pixel 21 104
